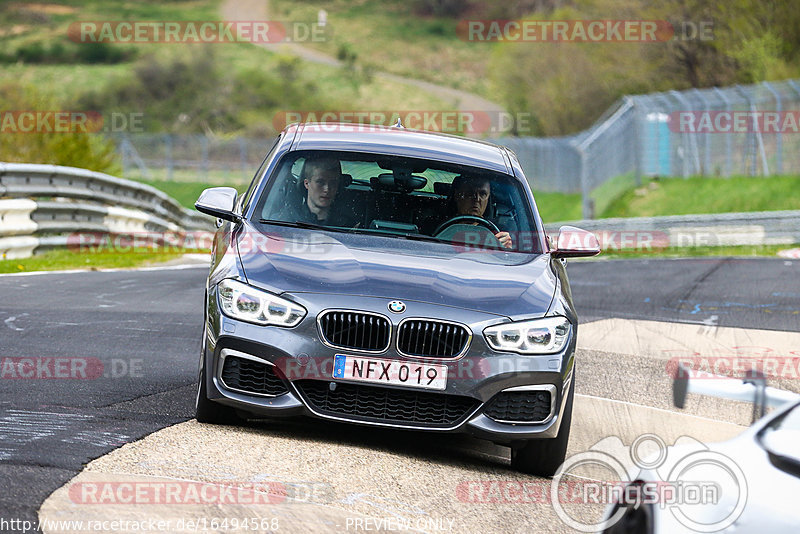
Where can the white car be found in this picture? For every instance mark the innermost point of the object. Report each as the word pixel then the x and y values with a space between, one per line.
pixel 748 484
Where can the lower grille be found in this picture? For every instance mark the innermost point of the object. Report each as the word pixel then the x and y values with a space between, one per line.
pixel 252 377
pixel 386 405
pixel 519 406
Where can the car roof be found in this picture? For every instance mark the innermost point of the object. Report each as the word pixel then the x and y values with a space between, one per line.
pixel 400 142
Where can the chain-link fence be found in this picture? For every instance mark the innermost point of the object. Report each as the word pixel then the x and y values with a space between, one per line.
pixel 743 130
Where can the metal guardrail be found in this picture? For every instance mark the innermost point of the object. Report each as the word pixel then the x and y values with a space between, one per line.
pixel 42 205
pixel 724 229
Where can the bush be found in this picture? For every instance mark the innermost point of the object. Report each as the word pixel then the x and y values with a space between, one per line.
pixel 441 8
pixel 194 92
pixel 87 151
pixel 100 53
pixel 58 53
pixel 32 53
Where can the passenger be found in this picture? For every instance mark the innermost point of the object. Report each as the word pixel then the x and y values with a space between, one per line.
pixel 471 196
pixel 322 179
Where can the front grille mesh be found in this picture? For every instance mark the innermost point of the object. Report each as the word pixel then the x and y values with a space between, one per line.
pixel 371 403
pixel 355 330
pixel 523 406
pixel 431 339
pixel 251 376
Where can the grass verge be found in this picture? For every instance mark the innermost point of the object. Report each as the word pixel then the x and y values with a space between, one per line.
pixel 679 196
pixel 57 260
pixel 554 207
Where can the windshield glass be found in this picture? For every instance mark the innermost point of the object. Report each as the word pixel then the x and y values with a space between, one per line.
pixel 399 197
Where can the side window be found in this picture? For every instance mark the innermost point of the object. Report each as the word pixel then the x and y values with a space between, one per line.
pixel 285 189
pixel 244 200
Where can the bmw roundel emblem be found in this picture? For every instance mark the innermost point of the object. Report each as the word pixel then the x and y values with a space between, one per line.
pixel 397 306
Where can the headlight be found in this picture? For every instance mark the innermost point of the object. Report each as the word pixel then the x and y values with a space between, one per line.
pixel 246 303
pixel 538 336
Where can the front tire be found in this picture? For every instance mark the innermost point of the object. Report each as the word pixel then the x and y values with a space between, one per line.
pixel 543 457
pixel 207 411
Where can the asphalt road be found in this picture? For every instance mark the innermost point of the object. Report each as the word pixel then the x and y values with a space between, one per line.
pixel 750 293
pixel 134 336
pixel 115 353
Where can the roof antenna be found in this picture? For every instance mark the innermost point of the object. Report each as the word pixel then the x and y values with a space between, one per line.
pixel 398 124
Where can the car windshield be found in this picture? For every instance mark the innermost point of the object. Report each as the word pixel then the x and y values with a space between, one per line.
pixel 399 197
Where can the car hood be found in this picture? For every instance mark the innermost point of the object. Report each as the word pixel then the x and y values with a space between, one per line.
pixel 290 260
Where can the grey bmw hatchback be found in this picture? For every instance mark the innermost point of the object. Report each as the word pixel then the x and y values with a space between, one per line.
pixel 397 278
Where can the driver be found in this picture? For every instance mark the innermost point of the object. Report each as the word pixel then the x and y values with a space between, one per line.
pixel 471 196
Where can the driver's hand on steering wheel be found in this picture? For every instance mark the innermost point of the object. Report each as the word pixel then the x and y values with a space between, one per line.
pixel 504 238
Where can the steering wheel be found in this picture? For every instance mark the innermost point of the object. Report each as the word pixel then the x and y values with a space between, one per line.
pixel 467 219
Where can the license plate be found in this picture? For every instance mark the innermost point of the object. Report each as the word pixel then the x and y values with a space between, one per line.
pixel 380 371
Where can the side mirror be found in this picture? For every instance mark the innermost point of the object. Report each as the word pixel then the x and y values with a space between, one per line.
pixel 575 243
pixel 218 202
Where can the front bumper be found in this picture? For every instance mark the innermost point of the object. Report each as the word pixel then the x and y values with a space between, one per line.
pixel 303 365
